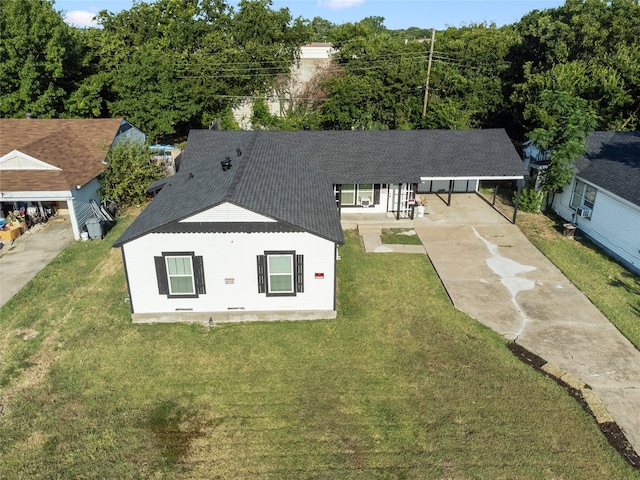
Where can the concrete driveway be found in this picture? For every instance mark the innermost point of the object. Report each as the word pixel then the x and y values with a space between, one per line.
pixel 493 273
pixel 21 260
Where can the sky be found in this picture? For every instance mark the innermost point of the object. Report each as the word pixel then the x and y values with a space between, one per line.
pixel 398 14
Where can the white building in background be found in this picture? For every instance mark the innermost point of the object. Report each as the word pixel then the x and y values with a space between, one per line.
pixel 314 59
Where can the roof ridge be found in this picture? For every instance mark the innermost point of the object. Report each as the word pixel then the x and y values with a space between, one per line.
pixel 237 177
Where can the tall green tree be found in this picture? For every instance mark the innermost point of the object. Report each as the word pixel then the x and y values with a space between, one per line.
pixel 172 65
pixel 590 48
pixel 563 122
pixel 40 59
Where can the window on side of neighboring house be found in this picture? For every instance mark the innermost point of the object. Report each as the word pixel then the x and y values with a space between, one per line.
pixel 584 196
pixel 180 275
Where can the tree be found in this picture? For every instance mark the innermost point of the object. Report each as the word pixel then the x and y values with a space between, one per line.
pixel 590 48
pixel 563 123
pixel 130 170
pixel 39 59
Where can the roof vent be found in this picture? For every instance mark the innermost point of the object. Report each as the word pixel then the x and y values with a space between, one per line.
pixel 238 151
pixel 226 164
pixel 190 174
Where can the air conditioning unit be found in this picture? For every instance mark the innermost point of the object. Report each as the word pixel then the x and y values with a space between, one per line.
pixel 365 202
pixel 583 212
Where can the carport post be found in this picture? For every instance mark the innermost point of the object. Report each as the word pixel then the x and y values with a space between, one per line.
pixel 399 199
pixel 495 193
pixel 517 202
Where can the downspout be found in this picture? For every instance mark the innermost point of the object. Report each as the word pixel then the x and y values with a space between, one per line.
pixel 339 199
pixel 450 189
pixel 399 195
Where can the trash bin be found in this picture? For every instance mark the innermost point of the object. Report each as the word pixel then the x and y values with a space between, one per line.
pixel 420 211
pixel 94 228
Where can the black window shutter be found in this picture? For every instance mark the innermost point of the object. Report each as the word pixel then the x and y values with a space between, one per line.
pixel 161 275
pixel 376 194
pixel 262 284
pixel 198 274
pixel 299 273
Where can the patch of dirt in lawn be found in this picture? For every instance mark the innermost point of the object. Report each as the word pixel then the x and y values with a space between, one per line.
pixel 611 430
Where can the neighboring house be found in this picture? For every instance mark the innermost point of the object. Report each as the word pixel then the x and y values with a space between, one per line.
pixel 248 228
pixel 55 163
pixel 603 198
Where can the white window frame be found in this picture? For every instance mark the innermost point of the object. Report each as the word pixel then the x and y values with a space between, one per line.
pixel 291 274
pixel 579 196
pixel 352 191
pixel 180 275
pixel 366 193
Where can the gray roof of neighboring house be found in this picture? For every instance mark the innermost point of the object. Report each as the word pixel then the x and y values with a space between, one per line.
pixel 612 162
pixel 266 178
pixel 288 175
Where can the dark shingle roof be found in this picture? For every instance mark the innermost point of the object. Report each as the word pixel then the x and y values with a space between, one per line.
pixel 394 156
pixel 612 162
pixel 267 178
pixel 284 174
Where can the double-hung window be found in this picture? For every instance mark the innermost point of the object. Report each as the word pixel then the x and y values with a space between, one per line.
pixel 180 275
pixel 583 195
pixel 280 273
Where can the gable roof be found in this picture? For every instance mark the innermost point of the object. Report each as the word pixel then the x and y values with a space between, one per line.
pixel 612 162
pixel 266 178
pixel 76 146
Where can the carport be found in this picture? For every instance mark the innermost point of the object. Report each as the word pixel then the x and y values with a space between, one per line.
pixel 472 185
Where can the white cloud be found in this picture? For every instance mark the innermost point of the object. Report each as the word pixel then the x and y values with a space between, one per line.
pixel 339 4
pixel 80 18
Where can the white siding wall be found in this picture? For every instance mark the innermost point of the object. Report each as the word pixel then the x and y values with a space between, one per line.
pixel 614 224
pixel 230 256
pixel 227 212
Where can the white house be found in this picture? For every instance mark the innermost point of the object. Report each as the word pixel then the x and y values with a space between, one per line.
pixel 603 198
pixel 249 226
pixel 55 163
pixel 246 230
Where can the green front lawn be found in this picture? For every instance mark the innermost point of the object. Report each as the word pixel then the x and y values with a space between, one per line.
pixel 399 236
pixel 400 385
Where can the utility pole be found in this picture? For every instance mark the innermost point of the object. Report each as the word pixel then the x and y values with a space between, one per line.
pixel 426 89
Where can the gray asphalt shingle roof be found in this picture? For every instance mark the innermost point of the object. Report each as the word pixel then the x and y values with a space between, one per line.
pixel 267 178
pixel 612 162
pixel 395 156
pixel 288 176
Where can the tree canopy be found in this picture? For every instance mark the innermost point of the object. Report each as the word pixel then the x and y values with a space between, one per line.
pixel 171 65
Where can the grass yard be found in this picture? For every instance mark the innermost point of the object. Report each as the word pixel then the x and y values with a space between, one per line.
pixel 400 385
pixel 399 236
pixel 609 286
